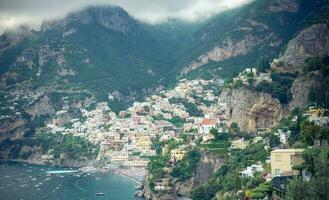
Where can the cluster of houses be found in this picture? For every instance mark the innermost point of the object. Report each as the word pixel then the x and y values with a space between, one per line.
pixel 126 138
pixel 317 115
pixel 251 76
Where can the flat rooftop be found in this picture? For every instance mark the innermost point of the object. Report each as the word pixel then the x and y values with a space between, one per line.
pixel 287 151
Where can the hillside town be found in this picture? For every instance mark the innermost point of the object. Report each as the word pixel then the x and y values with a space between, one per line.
pixel 128 140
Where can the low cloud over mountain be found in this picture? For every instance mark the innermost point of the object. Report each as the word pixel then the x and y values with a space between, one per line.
pixel 33 12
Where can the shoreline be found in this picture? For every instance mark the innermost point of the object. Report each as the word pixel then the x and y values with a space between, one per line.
pixel 127 173
pixel 130 178
pixel 137 175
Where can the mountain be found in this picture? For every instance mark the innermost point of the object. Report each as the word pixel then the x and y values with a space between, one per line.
pixel 238 38
pixel 102 54
pixel 100 49
pixel 103 50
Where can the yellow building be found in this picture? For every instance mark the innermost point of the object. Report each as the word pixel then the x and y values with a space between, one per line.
pixel 316 112
pixel 143 142
pixel 177 154
pixel 282 161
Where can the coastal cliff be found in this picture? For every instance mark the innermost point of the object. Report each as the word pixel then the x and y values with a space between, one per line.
pixel 250 109
pixel 209 163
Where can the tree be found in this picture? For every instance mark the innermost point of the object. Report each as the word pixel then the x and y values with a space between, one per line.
pixel 234 128
pixel 274 140
pixel 263 64
pixel 309 131
pixel 214 132
pixel 316 161
pixel 298 189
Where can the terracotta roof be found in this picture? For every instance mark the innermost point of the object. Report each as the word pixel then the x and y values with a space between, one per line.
pixel 208 122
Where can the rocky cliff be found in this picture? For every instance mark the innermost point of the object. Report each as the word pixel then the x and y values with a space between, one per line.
pixel 209 163
pixel 111 17
pixel 310 42
pixel 307 85
pixel 251 110
pixel 227 50
pixel 42 106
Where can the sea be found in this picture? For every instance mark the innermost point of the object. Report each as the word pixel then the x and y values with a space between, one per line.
pixel 20 181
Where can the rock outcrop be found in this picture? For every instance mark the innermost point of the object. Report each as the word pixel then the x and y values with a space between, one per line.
pixel 114 18
pixel 310 42
pixel 303 85
pixel 42 106
pixel 228 49
pixel 12 128
pixel 251 110
pixel 284 6
pixel 208 165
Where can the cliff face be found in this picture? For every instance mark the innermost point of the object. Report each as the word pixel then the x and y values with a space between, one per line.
pixel 251 110
pixel 309 43
pixel 228 49
pixel 111 17
pixel 41 107
pixel 208 165
pixel 304 85
pixel 300 90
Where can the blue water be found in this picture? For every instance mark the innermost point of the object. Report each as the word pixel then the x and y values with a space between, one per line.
pixel 32 182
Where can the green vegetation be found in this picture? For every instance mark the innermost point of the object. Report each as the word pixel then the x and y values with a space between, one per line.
pixel 177 121
pixel 186 167
pixel 191 108
pixel 156 169
pixel 311 132
pixel 227 178
pixel 75 148
pixel 261 191
pixel 219 144
pixel 263 64
pixel 157 164
pixel 316 161
pixel 279 88
pixel 319 95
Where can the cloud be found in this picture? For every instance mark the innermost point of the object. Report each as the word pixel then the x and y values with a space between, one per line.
pixel 33 12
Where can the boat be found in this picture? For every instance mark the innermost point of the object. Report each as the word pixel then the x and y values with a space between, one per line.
pixel 61 171
pixel 100 194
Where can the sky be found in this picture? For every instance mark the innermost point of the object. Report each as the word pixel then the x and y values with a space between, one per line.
pixel 34 12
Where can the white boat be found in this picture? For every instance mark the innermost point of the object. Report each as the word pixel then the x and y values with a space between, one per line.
pixel 61 171
pixel 100 194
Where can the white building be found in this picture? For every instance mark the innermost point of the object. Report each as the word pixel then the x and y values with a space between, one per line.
pixel 251 170
pixel 283 135
pixel 206 125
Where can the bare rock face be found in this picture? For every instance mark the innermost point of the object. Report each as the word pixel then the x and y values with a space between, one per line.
pixel 14 126
pixel 208 165
pixel 303 85
pixel 284 6
pixel 42 106
pixel 111 17
pixel 311 42
pixel 251 110
pixel 228 49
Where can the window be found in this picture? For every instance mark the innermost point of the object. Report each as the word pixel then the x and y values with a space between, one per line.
pixel 277 172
